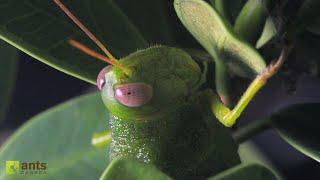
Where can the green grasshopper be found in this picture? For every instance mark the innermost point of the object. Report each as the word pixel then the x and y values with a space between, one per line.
pixel 159 115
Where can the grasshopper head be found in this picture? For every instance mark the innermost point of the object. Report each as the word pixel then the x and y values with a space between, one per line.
pixel 145 83
pixel 160 80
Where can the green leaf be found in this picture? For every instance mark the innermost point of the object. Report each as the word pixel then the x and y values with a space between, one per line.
pixel 246 172
pixel 218 38
pixel 251 19
pixel 299 125
pixel 40 29
pixel 8 64
pixel 61 137
pixel 269 31
pixel 222 7
pixel 228 8
pixel 120 169
pixel 249 153
pixel 151 18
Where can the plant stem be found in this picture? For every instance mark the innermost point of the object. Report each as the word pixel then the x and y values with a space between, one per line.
pixel 251 130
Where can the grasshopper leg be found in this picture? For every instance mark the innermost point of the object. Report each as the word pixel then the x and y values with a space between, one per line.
pixel 101 139
pixel 229 117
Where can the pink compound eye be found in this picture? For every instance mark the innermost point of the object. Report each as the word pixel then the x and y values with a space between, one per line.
pixel 133 94
pixel 101 80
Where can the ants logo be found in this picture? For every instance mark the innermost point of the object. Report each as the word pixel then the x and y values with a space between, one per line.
pixel 17 167
pixel 12 167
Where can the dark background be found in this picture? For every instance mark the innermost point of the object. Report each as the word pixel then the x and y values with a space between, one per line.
pixel 39 87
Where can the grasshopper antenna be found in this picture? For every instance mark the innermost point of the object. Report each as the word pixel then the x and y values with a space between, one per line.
pixel 110 58
pixel 84 28
pixel 93 53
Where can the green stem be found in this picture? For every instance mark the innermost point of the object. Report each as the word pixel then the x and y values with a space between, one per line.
pixel 252 129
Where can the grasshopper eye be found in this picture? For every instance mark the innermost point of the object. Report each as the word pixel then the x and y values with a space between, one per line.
pixel 101 80
pixel 133 94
